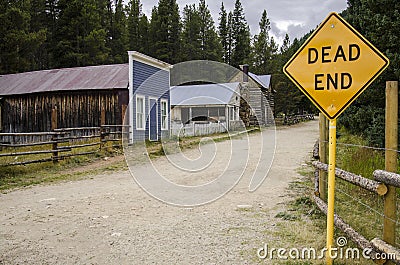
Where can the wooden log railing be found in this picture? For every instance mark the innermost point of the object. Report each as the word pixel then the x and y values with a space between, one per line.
pixel 368 184
pixel 390 251
pixel 383 178
pixel 293 119
pixel 352 234
pixel 389 178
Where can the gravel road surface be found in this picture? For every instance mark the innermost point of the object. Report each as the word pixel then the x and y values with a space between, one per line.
pixel 109 219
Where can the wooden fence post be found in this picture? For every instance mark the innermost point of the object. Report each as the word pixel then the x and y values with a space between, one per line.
pixel 391 145
pixel 123 113
pixel 54 138
pixel 124 122
pixel 323 154
pixel 102 128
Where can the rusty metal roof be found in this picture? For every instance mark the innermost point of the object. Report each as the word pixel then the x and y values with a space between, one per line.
pixel 79 78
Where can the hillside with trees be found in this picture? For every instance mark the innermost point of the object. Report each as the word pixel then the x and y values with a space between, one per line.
pixel 46 34
pixel 379 22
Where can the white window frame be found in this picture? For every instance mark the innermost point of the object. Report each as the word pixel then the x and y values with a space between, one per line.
pixel 143 125
pixel 164 126
pixel 231 113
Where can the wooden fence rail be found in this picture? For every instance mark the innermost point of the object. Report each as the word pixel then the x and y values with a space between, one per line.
pixel 385 182
pixel 352 234
pixel 62 142
pixel 384 247
pixel 368 184
pixel 293 119
pixel 387 177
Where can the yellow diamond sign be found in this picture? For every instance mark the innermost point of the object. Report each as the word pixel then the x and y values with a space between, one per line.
pixel 335 65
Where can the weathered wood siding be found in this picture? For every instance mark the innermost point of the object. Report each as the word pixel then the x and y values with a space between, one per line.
pixel 261 100
pixel 32 112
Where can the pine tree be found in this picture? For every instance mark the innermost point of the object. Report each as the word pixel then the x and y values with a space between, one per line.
pixel 118 36
pixel 165 30
pixel 18 44
pixel 81 33
pixel 47 59
pixel 210 44
pixel 261 52
pixel 135 11
pixel 377 21
pixel 264 50
pixel 94 50
pixel 241 36
pixel 274 65
pixel 230 39
pixel 191 34
pixel 37 15
pixel 223 33
pixel 285 45
pixel 39 21
pixel 143 39
pixel 153 31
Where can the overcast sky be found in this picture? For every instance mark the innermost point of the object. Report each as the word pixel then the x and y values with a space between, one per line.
pixel 295 17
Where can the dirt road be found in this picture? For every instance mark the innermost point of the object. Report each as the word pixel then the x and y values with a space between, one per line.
pixel 108 219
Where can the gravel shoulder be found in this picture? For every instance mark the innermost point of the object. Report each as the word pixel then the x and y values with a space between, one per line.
pixel 108 219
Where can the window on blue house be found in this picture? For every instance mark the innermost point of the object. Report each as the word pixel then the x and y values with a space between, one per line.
pixel 139 113
pixel 164 114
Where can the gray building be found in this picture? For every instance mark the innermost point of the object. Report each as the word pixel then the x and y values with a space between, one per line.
pixel 257 104
pixel 207 103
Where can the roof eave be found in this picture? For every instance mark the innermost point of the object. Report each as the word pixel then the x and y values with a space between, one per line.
pixel 140 57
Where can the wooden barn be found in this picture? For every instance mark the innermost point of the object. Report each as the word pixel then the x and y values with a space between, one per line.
pixel 79 95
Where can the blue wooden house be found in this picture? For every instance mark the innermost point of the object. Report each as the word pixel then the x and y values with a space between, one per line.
pixel 149 107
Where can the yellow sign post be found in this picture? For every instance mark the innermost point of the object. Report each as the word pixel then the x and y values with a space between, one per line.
pixel 332 68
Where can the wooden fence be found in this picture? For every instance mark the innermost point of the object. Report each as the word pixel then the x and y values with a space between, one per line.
pixel 293 119
pixel 383 182
pixel 378 185
pixel 199 129
pixel 57 145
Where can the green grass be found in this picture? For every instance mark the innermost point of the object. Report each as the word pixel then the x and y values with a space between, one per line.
pixel 359 160
pixel 12 177
pixel 21 176
pixel 361 209
pixel 302 224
